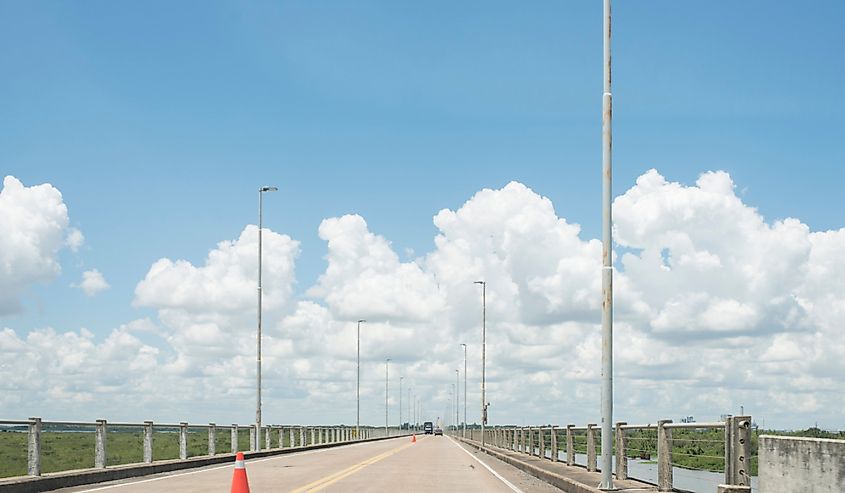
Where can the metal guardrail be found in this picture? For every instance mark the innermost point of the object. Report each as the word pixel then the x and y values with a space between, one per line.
pixel 537 440
pixel 297 436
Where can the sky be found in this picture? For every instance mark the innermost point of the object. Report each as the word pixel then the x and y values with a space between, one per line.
pixel 419 147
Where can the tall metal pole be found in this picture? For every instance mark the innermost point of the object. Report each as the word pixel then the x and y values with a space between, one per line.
pixel 400 402
pixel 457 399
pixel 358 386
pixel 261 191
pixel 465 390
pixel 386 429
pixel 483 357
pixel 607 268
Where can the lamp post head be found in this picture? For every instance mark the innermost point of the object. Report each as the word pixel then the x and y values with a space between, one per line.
pixel 267 189
pixel 464 345
pixel 361 321
pixel 479 282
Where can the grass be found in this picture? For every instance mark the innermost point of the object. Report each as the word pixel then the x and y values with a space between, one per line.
pixel 69 450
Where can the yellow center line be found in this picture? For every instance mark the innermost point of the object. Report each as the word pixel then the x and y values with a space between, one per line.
pixel 333 478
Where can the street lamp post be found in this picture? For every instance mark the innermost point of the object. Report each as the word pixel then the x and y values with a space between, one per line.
pixel 386 429
pixel 465 390
pixel 358 385
pixel 607 268
pixel 483 357
pixel 261 191
pixel 400 402
pixel 457 399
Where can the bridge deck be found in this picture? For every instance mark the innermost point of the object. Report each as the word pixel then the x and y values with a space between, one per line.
pixel 432 464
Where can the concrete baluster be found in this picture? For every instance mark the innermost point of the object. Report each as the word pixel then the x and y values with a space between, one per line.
pixel 621 449
pixel 234 438
pixel 302 436
pixel 591 448
pixel 738 450
pixel 33 449
pixel 522 440
pixel 555 457
pixel 183 440
pixel 267 437
pixel 514 439
pixel 313 436
pixel 212 439
pixel 148 442
pixel 281 437
pixel 252 443
pixel 664 456
pixel 100 444
pixel 541 443
pixel 570 446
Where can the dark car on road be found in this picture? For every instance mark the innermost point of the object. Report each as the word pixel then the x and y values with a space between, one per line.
pixel 428 428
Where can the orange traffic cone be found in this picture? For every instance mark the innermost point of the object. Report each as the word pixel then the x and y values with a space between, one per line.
pixel 240 484
pixel 414 438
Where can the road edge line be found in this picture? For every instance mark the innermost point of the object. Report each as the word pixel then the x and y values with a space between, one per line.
pixel 510 485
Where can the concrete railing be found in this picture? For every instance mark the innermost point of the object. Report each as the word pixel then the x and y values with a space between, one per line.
pixel 282 436
pixel 538 440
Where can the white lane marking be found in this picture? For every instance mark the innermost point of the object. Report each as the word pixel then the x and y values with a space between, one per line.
pixel 252 461
pixel 498 476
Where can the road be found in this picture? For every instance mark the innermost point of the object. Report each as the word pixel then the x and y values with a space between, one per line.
pixel 432 464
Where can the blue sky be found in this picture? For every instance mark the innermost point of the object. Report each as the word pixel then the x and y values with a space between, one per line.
pixel 158 120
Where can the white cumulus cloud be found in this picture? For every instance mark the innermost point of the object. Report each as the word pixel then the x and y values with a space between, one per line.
pixel 92 282
pixel 34 225
pixel 716 307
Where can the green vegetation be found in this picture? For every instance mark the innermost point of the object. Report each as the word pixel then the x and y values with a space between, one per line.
pixel 68 450
pixel 700 449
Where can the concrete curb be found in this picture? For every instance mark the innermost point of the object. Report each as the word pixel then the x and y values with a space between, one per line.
pixel 67 479
pixel 565 484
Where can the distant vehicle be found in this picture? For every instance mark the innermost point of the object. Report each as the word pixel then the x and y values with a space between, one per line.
pixel 438 431
pixel 428 427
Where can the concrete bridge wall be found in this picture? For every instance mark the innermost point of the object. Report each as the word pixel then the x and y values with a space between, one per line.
pixel 799 465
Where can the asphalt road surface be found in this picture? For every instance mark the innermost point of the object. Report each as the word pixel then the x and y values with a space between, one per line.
pixel 432 464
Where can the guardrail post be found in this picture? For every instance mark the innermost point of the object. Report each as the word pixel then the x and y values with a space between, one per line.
pixel 555 457
pixel 281 437
pixel 183 440
pixel 148 442
pixel 664 456
pixel 212 439
pixel 234 438
pixel 621 449
pixel 252 443
pixel 313 436
pixel 33 449
pixel 541 443
pixel 591 448
pixel 301 436
pixel 530 450
pixel 100 444
pixel 267 438
pixel 570 446
pixel 738 450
